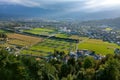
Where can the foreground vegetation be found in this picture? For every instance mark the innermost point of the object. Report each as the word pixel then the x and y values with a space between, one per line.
pixel 30 68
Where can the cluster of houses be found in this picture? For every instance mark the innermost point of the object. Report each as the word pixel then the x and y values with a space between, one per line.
pixel 110 36
pixel 76 55
pixel 64 29
pixel 103 33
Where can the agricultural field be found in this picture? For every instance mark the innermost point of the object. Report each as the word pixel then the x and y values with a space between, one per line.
pixel 22 40
pixel 41 31
pixel 37 53
pixel 98 46
pixel 62 35
pixel 42 47
pixel 78 37
pixel 49 45
pixel 51 31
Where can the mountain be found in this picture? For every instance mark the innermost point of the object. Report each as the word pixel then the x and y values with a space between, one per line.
pixel 113 22
pixel 22 11
pixel 16 11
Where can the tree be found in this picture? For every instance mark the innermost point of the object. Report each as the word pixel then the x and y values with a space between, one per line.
pixel 69 77
pixel 89 62
pixel 111 70
pixel 47 72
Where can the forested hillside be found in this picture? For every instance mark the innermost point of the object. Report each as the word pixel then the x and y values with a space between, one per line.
pixel 31 68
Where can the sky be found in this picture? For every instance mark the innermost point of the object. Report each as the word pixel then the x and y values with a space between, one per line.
pixel 67 6
pixel 75 5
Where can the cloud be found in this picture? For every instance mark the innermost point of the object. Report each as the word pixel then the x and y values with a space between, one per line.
pixel 35 3
pixel 98 5
pixel 68 5
pixel 28 3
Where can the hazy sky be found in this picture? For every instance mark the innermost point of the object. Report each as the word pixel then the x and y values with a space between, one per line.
pixel 69 5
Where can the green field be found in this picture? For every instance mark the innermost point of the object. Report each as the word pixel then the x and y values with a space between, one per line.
pixel 50 45
pixel 62 35
pixel 51 31
pixel 2 31
pixel 38 53
pixel 98 46
pixel 47 45
pixel 41 31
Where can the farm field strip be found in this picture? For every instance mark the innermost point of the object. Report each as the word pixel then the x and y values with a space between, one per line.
pixel 34 52
pixel 62 35
pixel 41 31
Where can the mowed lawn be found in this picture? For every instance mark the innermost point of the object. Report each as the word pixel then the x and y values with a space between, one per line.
pixel 41 31
pixel 98 46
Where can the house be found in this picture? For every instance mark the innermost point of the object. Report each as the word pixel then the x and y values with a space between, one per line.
pixel 73 55
pixel 79 53
pixel 117 51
